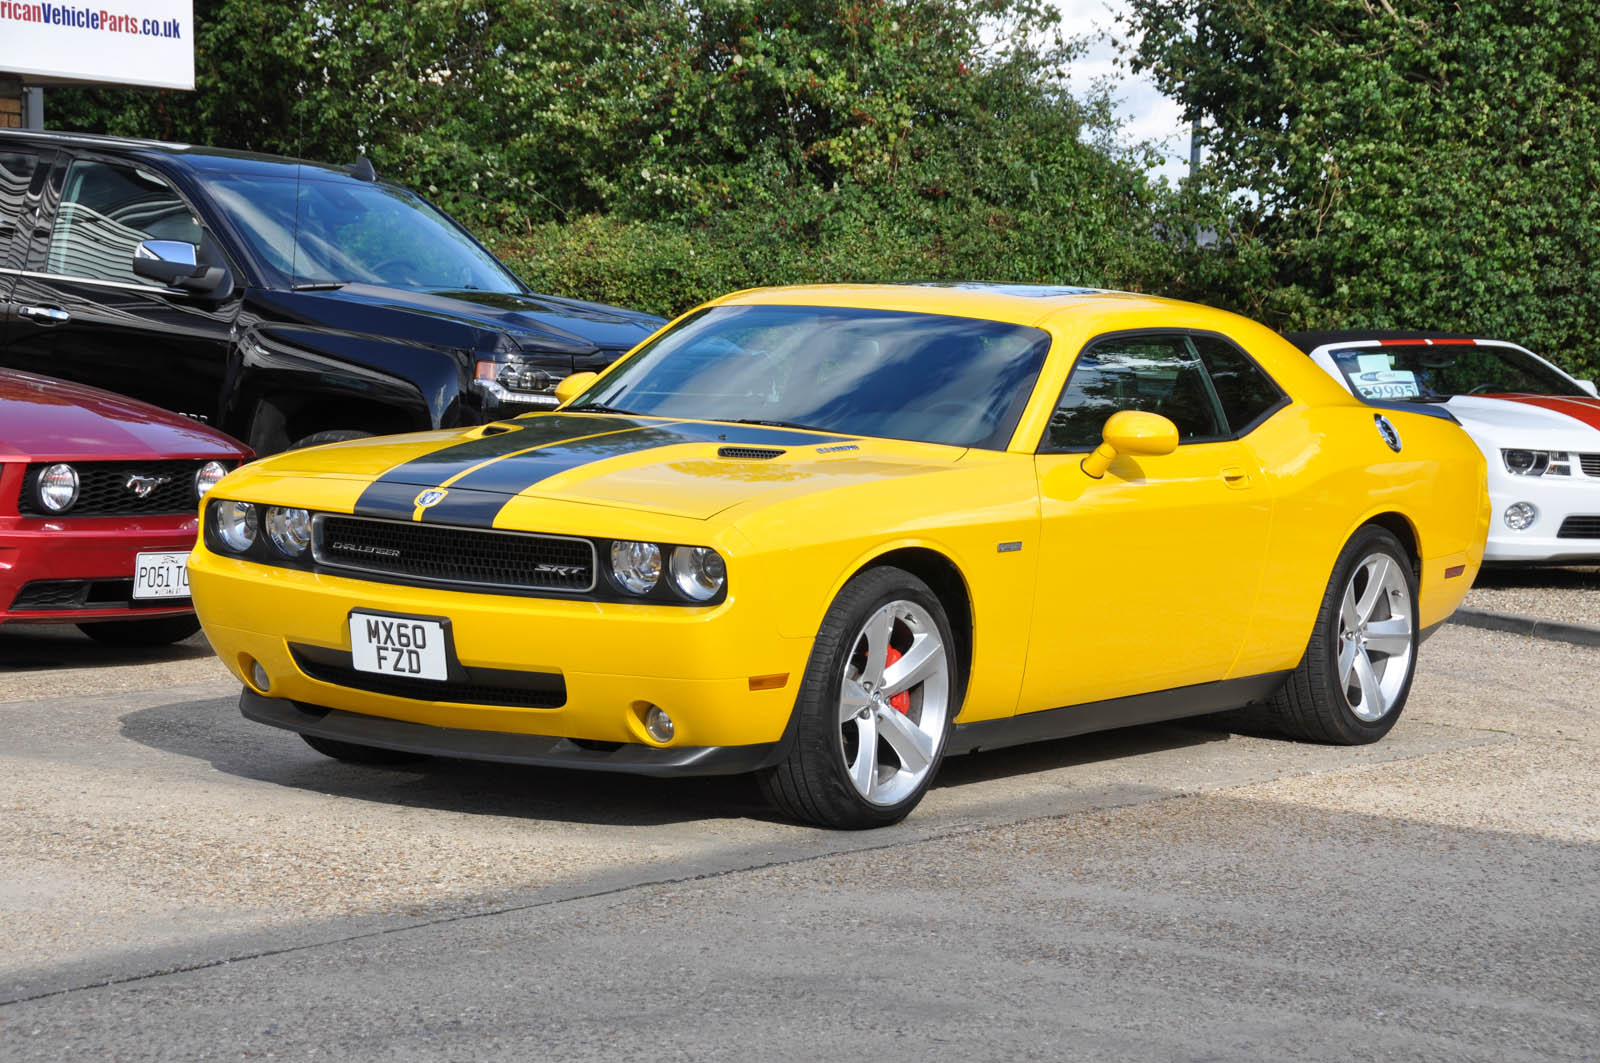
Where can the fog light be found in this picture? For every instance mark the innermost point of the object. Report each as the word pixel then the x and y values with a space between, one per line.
pixel 658 724
pixel 1519 516
pixel 258 676
pixel 207 477
pixel 58 488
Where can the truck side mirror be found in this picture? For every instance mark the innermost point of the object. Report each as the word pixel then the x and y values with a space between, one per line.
pixel 176 263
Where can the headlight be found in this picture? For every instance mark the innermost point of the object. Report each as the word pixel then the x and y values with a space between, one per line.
pixel 207 477
pixel 289 530
pixel 516 381
pixel 235 524
pixel 1536 462
pixel 698 572
pixel 636 566
pixel 58 488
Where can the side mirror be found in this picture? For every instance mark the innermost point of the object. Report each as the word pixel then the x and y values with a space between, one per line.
pixel 573 386
pixel 1131 432
pixel 1588 385
pixel 176 263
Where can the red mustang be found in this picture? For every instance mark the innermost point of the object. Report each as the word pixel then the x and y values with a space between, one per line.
pixel 99 499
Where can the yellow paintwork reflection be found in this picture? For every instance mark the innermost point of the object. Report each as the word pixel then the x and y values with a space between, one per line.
pixel 1201 564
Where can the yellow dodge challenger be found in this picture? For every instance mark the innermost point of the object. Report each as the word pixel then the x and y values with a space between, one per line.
pixel 830 535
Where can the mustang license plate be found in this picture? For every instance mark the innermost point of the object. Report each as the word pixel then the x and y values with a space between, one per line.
pixel 160 576
pixel 397 645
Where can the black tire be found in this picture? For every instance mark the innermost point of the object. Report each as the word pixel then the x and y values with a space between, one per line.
pixel 160 631
pixel 332 435
pixel 351 753
pixel 1315 704
pixel 813 784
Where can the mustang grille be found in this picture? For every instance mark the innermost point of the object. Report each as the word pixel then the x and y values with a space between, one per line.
pixel 457 557
pixel 1579 528
pixel 103 489
pixel 1590 463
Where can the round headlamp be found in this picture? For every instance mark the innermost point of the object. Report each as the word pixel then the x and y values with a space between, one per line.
pixel 235 523
pixel 58 487
pixel 698 572
pixel 207 477
pixel 289 530
pixel 636 566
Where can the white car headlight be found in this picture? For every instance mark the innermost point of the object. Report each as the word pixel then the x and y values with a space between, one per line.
pixel 1520 462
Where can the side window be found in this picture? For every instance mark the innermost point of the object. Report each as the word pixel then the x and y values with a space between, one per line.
pixel 1159 374
pixel 106 209
pixel 1246 392
pixel 16 176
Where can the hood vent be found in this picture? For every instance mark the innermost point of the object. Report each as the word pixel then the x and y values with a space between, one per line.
pixel 749 453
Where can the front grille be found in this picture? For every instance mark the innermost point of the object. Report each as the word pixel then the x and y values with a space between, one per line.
pixel 749 453
pixel 1579 528
pixel 518 690
pixel 66 595
pixel 103 489
pixel 1590 463
pixel 458 557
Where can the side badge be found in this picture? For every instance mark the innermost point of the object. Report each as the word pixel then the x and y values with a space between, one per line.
pixel 1387 431
pixel 434 495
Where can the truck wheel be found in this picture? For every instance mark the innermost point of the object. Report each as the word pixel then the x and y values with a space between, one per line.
pixel 874 707
pixel 162 631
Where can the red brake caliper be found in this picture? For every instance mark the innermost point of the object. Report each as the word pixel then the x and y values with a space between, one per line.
pixel 902 700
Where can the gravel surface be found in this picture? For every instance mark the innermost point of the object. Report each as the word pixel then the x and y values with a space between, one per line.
pixel 1571 595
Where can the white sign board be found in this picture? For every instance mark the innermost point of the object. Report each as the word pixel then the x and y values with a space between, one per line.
pixel 118 42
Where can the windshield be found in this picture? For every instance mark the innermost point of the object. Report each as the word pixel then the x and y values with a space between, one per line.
pixel 1442 369
pixel 354 232
pixel 933 379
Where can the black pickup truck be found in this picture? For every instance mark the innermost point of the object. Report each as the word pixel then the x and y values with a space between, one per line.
pixel 285 302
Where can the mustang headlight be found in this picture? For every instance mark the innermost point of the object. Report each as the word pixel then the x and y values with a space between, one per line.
pixel 698 573
pixel 58 488
pixel 235 524
pixel 289 530
pixel 1536 462
pixel 207 477
pixel 636 566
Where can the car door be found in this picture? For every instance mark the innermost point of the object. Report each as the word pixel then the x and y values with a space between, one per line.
pixel 85 315
pixel 1148 576
pixel 22 177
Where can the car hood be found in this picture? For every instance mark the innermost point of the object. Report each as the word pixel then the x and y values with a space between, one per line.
pixel 42 418
pixel 1518 415
pixel 535 323
pixel 691 469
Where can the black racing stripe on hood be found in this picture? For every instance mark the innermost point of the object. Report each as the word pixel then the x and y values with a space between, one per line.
pixel 393 495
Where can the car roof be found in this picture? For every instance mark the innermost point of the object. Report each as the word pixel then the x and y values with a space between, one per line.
pixel 1310 341
pixel 1016 303
pixel 194 157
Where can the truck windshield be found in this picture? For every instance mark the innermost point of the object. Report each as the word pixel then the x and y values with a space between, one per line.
pixel 926 377
pixel 326 232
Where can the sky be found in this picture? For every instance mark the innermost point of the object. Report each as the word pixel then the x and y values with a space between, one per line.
pixel 1146 114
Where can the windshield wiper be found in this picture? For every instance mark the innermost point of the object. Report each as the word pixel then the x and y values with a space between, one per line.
pixel 320 286
pixel 773 424
pixel 594 407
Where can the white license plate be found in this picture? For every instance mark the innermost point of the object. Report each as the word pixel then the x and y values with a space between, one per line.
pixel 160 576
pixel 397 645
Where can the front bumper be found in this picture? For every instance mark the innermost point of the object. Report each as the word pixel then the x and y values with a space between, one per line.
pixel 630 758
pixel 610 661
pixel 1556 499
pixel 95 552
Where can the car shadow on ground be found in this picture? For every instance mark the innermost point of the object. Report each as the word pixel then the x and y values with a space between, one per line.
pixel 214 732
pixel 1517 577
pixel 32 647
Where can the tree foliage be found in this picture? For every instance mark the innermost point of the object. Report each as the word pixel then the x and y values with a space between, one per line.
pixel 1428 164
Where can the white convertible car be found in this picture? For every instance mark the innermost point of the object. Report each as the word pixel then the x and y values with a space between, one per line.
pixel 1538 428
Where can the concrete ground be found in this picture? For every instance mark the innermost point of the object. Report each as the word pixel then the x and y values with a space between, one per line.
pixel 181 884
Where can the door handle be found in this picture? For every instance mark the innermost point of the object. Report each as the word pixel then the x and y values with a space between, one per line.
pixel 1234 476
pixel 44 315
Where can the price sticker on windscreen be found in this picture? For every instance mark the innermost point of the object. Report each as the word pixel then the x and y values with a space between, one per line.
pixel 397 645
